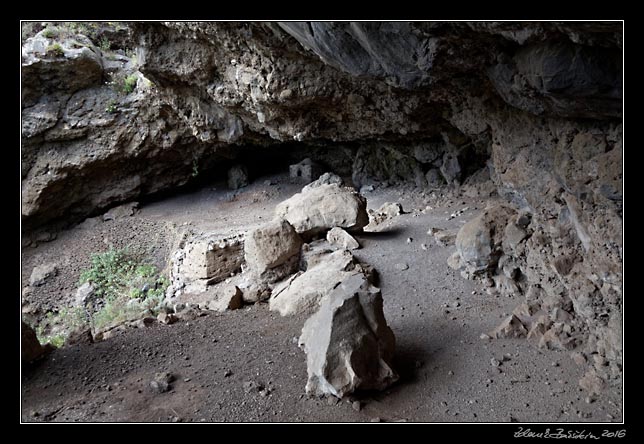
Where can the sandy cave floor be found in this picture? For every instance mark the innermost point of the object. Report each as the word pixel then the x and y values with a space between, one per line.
pixel 445 367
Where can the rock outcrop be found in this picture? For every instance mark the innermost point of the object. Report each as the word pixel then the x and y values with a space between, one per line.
pixel 534 106
pixel 95 132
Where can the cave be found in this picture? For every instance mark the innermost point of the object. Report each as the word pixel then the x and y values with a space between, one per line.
pixel 322 221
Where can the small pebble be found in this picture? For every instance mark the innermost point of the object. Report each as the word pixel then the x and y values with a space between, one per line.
pixel 375 419
pixel 495 362
pixel 356 405
pixel 451 373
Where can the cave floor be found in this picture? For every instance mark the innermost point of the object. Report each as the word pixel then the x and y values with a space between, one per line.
pixel 445 367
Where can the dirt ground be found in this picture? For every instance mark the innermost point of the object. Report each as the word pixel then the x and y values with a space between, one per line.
pixel 221 359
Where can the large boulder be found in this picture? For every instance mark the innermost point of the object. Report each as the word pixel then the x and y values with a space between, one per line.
pixel 319 209
pixel 237 177
pixel 479 241
pixel 347 342
pixel 31 348
pixel 303 292
pixel 205 260
pixel 272 251
pixel 324 179
pixel 43 273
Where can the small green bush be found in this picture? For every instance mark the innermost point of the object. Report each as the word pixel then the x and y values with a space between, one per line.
pixel 50 33
pixel 111 107
pixel 60 325
pixel 129 83
pixel 55 50
pixel 125 287
pixel 118 278
pixel 105 44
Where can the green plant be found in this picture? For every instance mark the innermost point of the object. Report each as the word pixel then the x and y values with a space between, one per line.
pixel 59 325
pixel 55 50
pixel 148 83
pixel 78 28
pixel 104 43
pixel 129 83
pixel 195 168
pixel 126 285
pixel 50 33
pixel 111 107
pixel 57 340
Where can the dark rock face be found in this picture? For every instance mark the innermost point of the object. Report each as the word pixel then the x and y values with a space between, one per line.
pixel 46 69
pixel 389 50
pixel 537 104
pixel 31 348
pixel 562 79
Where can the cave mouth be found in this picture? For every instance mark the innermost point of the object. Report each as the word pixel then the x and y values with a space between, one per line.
pixel 218 187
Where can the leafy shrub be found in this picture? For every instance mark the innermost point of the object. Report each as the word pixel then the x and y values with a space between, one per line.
pixel 55 50
pixel 105 44
pixel 125 286
pixel 50 33
pixel 117 273
pixel 111 107
pixel 60 325
pixel 129 83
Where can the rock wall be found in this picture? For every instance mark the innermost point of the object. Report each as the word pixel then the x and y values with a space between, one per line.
pixel 90 140
pixel 537 105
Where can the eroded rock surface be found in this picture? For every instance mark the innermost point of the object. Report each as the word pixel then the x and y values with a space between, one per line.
pixel 534 107
pixel 205 260
pixel 319 209
pixel 347 342
pixel 272 251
